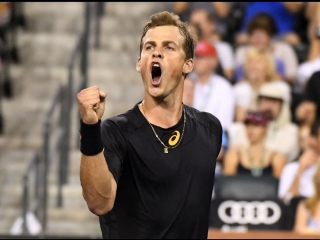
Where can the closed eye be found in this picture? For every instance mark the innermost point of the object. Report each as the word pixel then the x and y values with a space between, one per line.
pixel 170 48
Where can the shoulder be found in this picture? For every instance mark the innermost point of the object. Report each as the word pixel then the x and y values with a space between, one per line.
pixel 308 67
pixel 222 45
pixel 241 49
pixel 278 158
pixel 223 82
pixel 242 87
pixel 292 128
pixel 282 46
pixel 206 119
pixel 127 121
pixel 290 168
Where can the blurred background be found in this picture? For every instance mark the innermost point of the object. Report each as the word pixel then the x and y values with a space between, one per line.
pixel 260 63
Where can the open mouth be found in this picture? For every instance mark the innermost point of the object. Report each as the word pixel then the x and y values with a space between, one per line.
pixel 156 74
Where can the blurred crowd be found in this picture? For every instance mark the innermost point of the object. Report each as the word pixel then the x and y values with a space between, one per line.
pixel 11 17
pixel 257 69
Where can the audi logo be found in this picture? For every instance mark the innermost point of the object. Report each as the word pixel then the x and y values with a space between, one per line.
pixel 254 212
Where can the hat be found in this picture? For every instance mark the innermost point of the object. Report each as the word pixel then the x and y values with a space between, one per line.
pixel 275 90
pixel 205 49
pixel 258 118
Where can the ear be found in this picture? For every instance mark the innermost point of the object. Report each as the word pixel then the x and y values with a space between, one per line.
pixel 138 65
pixel 188 66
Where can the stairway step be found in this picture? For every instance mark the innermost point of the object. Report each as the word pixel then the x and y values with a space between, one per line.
pixel 56 17
pixel 113 59
pixel 133 9
pixel 46 49
pixel 70 228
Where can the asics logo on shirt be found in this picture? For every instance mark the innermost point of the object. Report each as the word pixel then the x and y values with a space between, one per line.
pixel 173 140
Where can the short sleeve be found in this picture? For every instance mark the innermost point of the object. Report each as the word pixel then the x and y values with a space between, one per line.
pixel 115 147
pixel 286 179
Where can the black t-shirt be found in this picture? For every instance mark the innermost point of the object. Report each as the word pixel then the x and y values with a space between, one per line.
pixel 160 195
pixel 312 92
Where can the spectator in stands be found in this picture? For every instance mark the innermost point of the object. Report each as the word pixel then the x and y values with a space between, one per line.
pixel 207 25
pixel 212 93
pixel 296 177
pixel 309 109
pixel 255 159
pixel 259 68
pixel 274 100
pixel 261 32
pixel 306 69
pixel 284 15
pixel 308 212
pixel 219 11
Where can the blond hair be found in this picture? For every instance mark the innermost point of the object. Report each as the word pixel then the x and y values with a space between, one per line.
pixel 311 202
pixel 268 59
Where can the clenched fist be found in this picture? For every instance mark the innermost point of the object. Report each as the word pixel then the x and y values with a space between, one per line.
pixel 91 104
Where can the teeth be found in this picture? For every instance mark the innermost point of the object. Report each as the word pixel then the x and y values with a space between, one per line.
pixel 156 65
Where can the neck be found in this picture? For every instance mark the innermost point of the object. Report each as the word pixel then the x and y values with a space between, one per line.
pixel 204 77
pixel 257 146
pixel 256 83
pixel 161 114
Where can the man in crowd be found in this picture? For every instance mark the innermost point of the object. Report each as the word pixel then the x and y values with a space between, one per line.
pixel 212 93
pixel 207 25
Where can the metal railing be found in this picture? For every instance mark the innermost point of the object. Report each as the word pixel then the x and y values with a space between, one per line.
pixel 64 99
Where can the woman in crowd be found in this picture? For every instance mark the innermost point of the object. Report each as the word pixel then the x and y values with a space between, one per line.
pixel 255 159
pixel 259 68
pixel 308 211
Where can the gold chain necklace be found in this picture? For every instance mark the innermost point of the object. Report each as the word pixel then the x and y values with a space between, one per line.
pixel 166 148
pixel 256 171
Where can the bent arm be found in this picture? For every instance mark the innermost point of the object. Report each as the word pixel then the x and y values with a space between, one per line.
pixel 278 163
pixel 98 184
pixel 179 7
pixel 294 188
pixel 293 7
pixel 222 8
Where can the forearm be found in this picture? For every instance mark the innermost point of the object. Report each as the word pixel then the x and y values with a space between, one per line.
pixel 98 184
pixel 294 189
pixel 222 8
pixel 179 7
pixel 314 46
pixel 293 7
